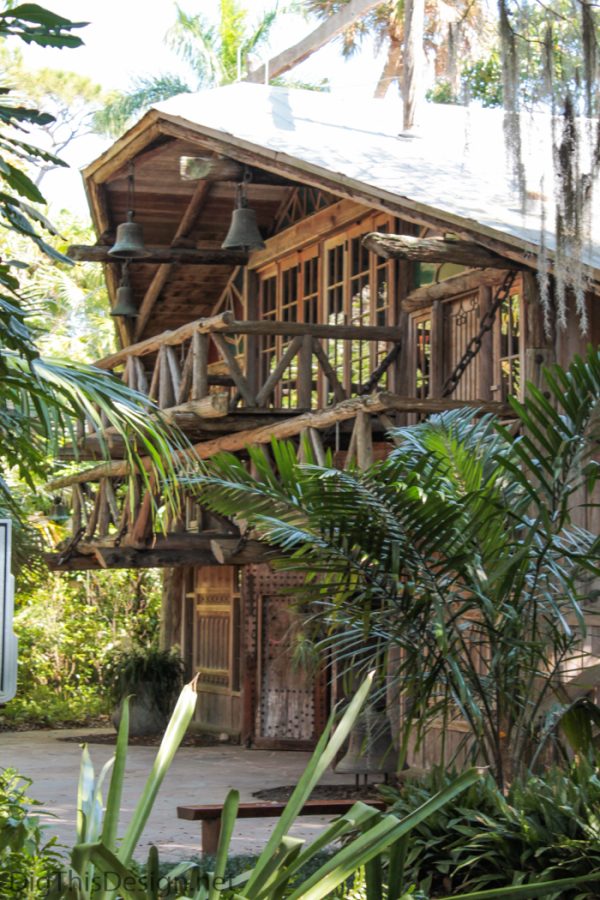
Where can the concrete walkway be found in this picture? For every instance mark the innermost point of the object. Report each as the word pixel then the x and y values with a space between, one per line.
pixel 198 775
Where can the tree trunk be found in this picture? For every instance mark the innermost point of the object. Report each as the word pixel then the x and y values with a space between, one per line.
pixel 391 69
pixel 412 74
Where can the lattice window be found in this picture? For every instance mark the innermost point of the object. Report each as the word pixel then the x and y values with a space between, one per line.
pixel 509 333
pixel 334 309
pixel 422 339
pixel 268 310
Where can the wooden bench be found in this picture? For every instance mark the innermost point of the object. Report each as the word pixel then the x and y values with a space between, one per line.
pixel 210 815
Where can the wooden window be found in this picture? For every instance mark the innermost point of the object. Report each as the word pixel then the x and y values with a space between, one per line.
pixel 422 341
pixel 286 394
pixel 508 347
pixel 338 282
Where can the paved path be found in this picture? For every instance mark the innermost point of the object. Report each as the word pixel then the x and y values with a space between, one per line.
pixel 198 775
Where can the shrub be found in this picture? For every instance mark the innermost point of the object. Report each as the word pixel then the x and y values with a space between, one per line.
pixel 27 860
pixel 547 827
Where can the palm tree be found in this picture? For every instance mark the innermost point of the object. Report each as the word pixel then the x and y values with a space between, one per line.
pixel 214 55
pixel 453 30
pixel 453 567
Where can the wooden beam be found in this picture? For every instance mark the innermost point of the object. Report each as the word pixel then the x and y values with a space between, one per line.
pixel 435 250
pixel 320 418
pixel 210 168
pixel 423 297
pixel 332 27
pixel 212 406
pixel 169 550
pixel 199 256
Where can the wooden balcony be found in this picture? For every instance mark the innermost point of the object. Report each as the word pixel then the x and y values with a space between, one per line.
pixel 228 384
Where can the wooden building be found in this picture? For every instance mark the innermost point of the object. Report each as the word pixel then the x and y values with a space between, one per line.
pixel 332 333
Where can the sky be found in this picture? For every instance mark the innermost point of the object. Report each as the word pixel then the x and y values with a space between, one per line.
pixel 125 39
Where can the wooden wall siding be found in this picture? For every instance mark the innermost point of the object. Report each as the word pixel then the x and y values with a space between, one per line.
pixel 284 705
pixel 216 647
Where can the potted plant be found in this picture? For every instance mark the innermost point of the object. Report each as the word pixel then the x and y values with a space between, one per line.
pixel 152 678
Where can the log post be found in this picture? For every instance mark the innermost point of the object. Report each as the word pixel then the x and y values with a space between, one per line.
pixel 486 355
pixel 436 374
pixel 305 373
pixel 172 582
pixel 199 353
pixel 540 347
pixel 166 394
pixel 364 440
pixel 251 313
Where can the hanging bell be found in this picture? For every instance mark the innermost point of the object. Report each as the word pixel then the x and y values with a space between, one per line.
pixel 243 232
pixel 124 305
pixel 130 242
pixel 370 748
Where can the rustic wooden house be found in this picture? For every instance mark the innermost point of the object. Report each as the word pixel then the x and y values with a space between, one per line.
pixel 324 334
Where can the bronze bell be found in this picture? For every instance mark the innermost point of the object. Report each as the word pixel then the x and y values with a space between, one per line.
pixel 370 748
pixel 130 242
pixel 243 232
pixel 124 305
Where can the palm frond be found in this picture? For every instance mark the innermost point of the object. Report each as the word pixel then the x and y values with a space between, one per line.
pixel 122 107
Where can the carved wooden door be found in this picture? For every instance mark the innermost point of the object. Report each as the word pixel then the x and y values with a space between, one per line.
pixel 286 703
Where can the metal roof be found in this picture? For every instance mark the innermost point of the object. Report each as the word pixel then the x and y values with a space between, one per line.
pixel 455 163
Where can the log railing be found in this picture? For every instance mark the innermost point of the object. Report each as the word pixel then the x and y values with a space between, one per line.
pixel 218 366
pixel 113 508
pixel 209 377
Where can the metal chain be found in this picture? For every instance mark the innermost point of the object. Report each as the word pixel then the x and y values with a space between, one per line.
pixel 474 345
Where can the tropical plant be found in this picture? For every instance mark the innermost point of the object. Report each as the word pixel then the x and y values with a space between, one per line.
pixel 453 567
pixel 214 54
pixel 376 844
pixel 39 397
pixel 453 32
pixel 27 858
pixel 101 866
pixel 545 828
pixel 69 627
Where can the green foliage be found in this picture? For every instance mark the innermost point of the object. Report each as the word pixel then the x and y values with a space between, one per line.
pixel 70 627
pixel 482 81
pixel 161 671
pixel 545 828
pixel 458 551
pixel 210 50
pixel 40 398
pixel 104 865
pixel 27 859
